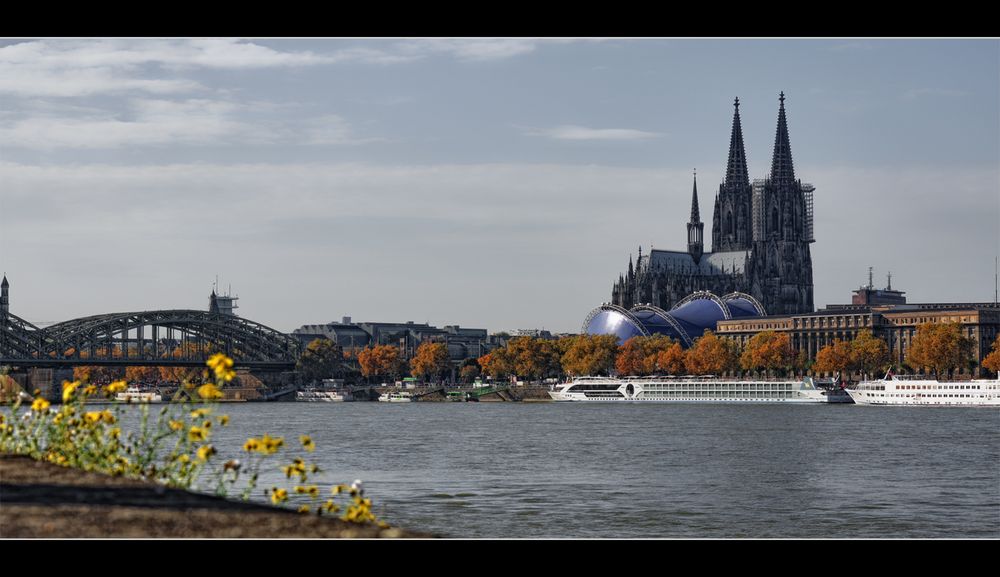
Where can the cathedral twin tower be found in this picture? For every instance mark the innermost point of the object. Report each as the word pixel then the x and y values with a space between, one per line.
pixel 761 231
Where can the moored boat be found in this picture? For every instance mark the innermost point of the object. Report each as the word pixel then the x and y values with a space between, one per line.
pixel 916 391
pixel 694 389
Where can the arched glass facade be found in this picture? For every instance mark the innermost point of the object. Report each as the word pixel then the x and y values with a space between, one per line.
pixel 684 323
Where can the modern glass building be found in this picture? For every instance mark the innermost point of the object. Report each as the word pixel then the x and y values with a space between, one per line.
pixel 685 322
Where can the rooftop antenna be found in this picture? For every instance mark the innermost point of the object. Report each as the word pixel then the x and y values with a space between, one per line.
pixel 888 285
pixel 996 270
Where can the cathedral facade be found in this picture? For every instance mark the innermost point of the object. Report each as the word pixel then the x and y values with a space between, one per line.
pixel 761 232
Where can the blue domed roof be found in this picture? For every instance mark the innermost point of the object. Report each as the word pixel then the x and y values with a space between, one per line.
pixel 685 322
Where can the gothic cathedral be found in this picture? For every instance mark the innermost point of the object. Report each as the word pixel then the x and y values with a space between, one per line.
pixel 761 232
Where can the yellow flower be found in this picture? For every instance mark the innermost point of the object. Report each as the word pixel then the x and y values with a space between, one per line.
pixel 304 509
pixel 300 489
pixel 269 444
pixel 40 405
pixel 330 506
pixel 184 458
pixel 199 413
pixel 251 445
pixel 92 417
pixel 313 491
pixel 209 391
pixel 206 424
pixel 279 495
pixel 224 420
pixel 115 433
pixel 116 387
pixel 205 451
pixel 68 389
pixel 338 489
pixel 108 417
pixel 197 434
pixel 222 365
pixel 176 425
pixel 90 389
pixel 307 443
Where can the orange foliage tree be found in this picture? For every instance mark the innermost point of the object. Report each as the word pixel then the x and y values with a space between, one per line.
pixel 712 355
pixel 638 355
pixel 533 358
pixel 833 358
pixel 768 350
pixel 992 360
pixel 590 355
pixel 498 363
pixel 379 361
pixel 939 347
pixel 671 361
pixel 141 374
pixel 868 352
pixel 430 360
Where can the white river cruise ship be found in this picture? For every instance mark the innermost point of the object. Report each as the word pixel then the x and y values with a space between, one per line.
pixel 695 389
pixel 895 390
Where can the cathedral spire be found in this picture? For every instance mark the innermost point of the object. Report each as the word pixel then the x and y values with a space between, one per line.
pixel 695 217
pixel 696 240
pixel 4 295
pixel 782 171
pixel 736 169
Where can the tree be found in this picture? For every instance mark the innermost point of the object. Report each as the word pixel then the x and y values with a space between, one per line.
pixel 939 347
pixel 834 358
pixel 430 360
pixel 712 355
pixel 671 361
pixel 498 363
pixel 992 360
pixel 379 361
pixel 768 350
pixel 638 355
pixel 868 352
pixel 321 359
pixel 141 374
pixel 590 355
pixel 469 370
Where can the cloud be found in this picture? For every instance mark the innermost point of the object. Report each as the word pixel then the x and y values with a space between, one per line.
pixel 573 132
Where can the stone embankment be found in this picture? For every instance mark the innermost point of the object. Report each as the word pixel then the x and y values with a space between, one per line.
pixel 44 500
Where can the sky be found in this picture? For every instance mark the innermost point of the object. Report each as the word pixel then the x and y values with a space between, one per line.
pixel 490 183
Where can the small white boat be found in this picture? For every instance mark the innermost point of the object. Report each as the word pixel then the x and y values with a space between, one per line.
pixel 323 396
pixel 395 397
pixel 137 395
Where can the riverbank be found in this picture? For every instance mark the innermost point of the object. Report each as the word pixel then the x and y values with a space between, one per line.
pixel 42 500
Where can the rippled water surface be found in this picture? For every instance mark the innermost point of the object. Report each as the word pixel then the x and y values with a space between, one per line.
pixel 653 470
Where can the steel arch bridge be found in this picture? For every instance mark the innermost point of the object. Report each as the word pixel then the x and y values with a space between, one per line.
pixel 160 338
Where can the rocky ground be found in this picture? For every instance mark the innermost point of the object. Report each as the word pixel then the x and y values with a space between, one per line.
pixel 43 500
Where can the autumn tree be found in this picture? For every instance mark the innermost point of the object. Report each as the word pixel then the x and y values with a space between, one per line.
pixel 671 361
pixel 141 374
pixel 590 355
pixel 430 360
pixel 939 347
pixel 469 370
pixel 768 350
pixel 712 355
pixel 868 352
pixel 497 363
pixel 638 355
pixel 379 361
pixel 321 359
pixel 834 358
pixel 992 360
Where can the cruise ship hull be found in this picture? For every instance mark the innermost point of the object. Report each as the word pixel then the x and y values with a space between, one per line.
pixel 925 393
pixel 694 390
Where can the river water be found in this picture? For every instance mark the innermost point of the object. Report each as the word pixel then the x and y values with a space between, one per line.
pixel 651 470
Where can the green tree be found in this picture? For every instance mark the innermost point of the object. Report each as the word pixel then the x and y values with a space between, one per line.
pixel 321 359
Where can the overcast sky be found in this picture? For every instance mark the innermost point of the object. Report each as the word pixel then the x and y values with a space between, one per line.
pixel 499 184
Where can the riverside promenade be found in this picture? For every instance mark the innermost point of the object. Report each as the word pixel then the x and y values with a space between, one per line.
pixel 42 500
